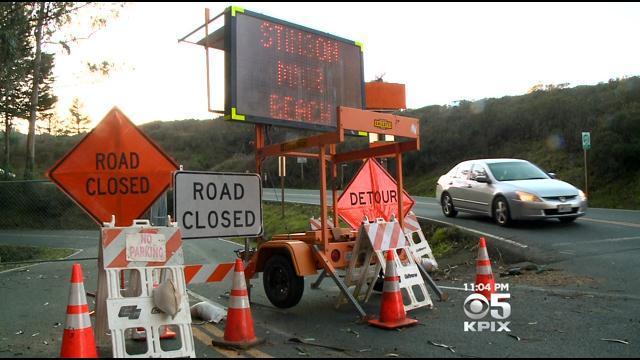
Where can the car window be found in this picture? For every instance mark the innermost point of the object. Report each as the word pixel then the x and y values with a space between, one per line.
pixel 477 170
pixel 520 170
pixel 463 170
pixel 452 172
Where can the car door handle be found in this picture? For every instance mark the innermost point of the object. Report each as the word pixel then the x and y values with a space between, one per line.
pixel 469 186
pixel 451 183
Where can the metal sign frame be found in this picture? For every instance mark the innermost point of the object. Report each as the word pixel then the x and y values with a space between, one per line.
pixel 231 94
pixel 175 199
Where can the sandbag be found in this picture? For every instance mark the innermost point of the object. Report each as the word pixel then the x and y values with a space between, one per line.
pixel 208 312
pixel 429 264
pixel 167 298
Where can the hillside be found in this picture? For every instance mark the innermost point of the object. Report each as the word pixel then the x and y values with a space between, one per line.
pixel 543 127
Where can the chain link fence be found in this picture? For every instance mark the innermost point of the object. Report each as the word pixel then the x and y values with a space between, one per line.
pixel 39 204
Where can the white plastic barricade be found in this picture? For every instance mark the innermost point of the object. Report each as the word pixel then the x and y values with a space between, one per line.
pixel 419 245
pixel 377 238
pixel 362 270
pixel 132 261
pixel 142 312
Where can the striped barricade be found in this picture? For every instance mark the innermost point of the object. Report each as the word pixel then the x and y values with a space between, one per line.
pixel 362 270
pixel 149 255
pixel 316 224
pixel 200 274
pixel 386 236
pixel 418 242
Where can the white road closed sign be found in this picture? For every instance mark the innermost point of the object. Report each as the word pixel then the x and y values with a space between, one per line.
pixel 211 204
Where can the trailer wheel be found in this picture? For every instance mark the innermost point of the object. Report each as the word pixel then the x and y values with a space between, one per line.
pixel 281 283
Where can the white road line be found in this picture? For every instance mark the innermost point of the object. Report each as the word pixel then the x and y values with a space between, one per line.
pixel 454 288
pixel 612 222
pixel 78 251
pixel 606 209
pixel 427 204
pixel 597 241
pixel 570 292
pixel 499 238
pixel 49 236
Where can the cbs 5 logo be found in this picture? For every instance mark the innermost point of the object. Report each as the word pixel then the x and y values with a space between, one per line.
pixel 476 306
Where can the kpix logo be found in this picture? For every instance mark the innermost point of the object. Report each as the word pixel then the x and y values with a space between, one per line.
pixel 476 307
pixel 132 312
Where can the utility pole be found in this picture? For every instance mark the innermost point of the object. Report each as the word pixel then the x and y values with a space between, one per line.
pixel 282 173
pixel 586 145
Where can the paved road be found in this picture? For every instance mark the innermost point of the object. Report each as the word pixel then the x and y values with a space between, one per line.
pixel 605 244
pixel 550 320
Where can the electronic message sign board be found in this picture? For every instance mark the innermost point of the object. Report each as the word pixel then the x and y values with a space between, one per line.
pixel 284 74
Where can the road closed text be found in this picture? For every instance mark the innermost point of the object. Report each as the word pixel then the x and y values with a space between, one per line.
pixel 116 185
pixel 218 218
pixel 217 204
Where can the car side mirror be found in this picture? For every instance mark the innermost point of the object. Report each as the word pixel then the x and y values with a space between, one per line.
pixel 483 179
pixel 552 174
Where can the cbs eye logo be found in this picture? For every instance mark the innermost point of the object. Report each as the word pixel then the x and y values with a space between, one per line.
pixel 476 306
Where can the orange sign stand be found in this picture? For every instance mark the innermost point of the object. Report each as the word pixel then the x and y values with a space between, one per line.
pixel 114 170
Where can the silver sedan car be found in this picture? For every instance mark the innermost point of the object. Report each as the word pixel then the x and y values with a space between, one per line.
pixel 506 190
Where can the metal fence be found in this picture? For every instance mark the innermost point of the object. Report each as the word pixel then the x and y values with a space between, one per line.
pixel 39 204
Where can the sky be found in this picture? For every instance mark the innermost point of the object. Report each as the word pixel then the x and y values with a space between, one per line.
pixel 443 52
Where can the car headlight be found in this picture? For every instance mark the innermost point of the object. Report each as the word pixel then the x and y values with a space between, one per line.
pixel 582 195
pixel 525 196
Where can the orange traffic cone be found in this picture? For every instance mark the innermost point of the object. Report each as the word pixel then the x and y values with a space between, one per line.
pixel 485 283
pixel 392 314
pixel 78 340
pixel 238 331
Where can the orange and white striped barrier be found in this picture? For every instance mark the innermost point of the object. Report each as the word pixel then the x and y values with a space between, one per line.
pixel 119 246
pixel 200 274
pixel 316 224
pixel 373 239
pixel 418 244
pixel 411 223
pixel 78 340
pixel 150 254
pixel 385 235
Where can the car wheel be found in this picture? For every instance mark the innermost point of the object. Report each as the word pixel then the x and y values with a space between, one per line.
pixel 501 214
pixel 447 206
pixel 566 220
pixel 281 284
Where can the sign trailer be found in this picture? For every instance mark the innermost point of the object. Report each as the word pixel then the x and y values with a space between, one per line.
pixel 283 74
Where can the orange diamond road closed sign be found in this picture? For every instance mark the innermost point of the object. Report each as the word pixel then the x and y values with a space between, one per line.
pixel 114 170
pixel 372 193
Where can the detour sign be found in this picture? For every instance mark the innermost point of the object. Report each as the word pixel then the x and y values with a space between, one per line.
pixel 372 193
pixel 114 170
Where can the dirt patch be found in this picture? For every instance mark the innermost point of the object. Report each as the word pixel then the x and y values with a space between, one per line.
pixel 11 254
pixel 551 278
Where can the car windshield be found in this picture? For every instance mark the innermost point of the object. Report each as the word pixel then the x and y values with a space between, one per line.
pixel 516 170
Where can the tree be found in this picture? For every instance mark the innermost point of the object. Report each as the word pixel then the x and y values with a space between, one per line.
pixel 78 119
pixel 47 19
pixel 14 52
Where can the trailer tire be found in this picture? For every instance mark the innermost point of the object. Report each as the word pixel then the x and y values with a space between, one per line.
pixel 282 285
